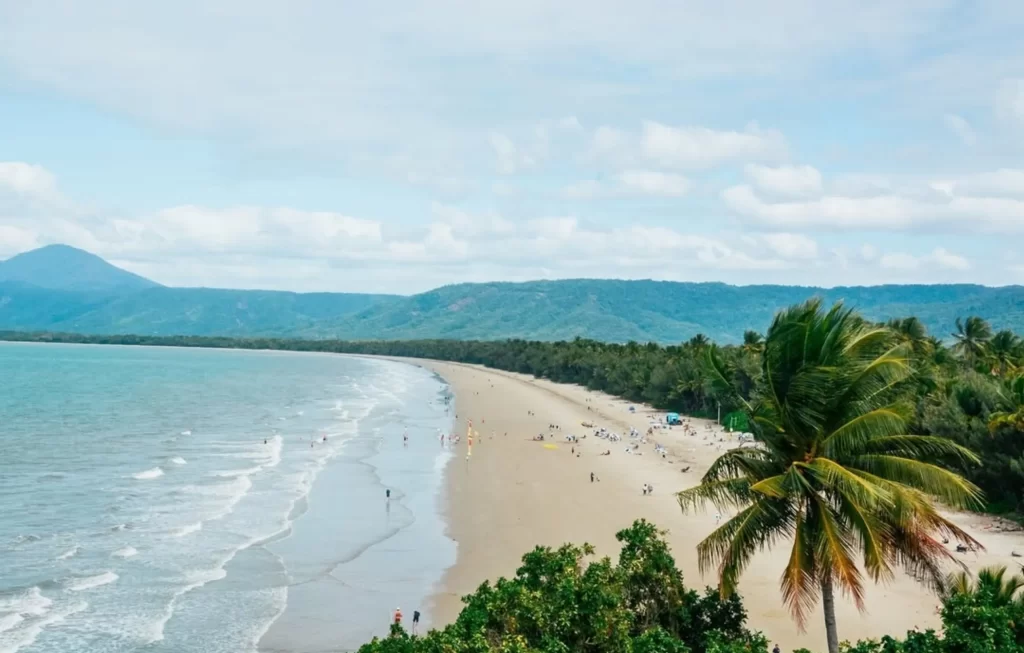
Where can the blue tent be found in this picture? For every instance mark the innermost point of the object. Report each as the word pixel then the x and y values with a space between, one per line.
pixel 673 418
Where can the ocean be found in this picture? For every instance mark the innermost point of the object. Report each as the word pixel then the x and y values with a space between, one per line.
pixel 217 501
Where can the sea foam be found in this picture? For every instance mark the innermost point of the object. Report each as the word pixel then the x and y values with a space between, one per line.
pixel 31 603
pixel 126 552
pixel 89 582
pixel 149 474
pixel 70 553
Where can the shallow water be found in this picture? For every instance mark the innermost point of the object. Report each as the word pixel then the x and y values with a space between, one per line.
pixel 186 500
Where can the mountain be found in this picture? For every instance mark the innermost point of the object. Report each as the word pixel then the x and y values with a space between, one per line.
pixel 60 267
pixel 658 311
pixel 210 311
pixel 63 289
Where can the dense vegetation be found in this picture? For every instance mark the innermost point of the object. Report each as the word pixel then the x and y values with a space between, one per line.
pixel 971 392
pixel 60 288
pixel 561 601
pixel 835 470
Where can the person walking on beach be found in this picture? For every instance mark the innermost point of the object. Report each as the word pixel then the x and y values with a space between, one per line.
pixel 416 621
pixel 776 649
pixel 591 477
pixel 398 616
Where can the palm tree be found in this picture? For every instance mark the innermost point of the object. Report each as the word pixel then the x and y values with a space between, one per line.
pixel 991 581
pixel 699 341
pixel 913 332
pixel 753 342
pixel 1004 350
pixel 1011 412
pixel 972 337
pixel 834 469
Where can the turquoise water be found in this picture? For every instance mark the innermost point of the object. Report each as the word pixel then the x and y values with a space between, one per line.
pixel 175 500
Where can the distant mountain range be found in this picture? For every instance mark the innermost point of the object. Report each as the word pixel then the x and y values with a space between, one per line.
pixel 60 288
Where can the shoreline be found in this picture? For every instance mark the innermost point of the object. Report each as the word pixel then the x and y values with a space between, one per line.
pixel 515 494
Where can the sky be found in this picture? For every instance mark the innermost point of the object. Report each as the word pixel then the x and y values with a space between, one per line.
pixel 400 146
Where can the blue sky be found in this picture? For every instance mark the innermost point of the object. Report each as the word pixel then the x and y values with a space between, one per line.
pixel 350 147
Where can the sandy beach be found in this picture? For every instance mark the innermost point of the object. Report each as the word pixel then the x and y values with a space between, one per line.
pixel 514 493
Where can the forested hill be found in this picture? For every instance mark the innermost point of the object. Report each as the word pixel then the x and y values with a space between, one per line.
pixel 652 311
pixel 59 288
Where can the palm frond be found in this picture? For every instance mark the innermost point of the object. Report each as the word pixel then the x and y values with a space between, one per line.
pixel 922 447
pixel 855 433
pixel 950 487
pixel 834 550
pixel 833 477
pixel 724 494
pixel 800 577
pixel 732 544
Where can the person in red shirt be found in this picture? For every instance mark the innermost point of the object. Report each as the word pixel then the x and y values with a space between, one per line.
pixel 398 616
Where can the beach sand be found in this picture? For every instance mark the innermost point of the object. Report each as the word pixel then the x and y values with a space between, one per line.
pixel 515 493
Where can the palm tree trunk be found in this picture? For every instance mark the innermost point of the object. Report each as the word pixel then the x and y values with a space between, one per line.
pixel 828 601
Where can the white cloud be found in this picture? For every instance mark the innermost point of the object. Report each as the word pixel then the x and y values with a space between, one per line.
pixel 583 190
pixel 333 74
pixel 283 247
pixel 961 128
pixel 899 261
pixel 638 182
pixel 1010 100
pixel 792 246
pixel 700 147
pixel 26 179
pixel 571 123
pixel 651 182
pixel 793 181
pixel 1005 182
pixel 969 203
pixel 510 158
pixel 938 258
pixel 609 142
pixel 946 259
pixel 15 239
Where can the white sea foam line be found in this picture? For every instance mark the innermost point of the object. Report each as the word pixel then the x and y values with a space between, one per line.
pixel 91 582
pixel 126 552
pixel 8 622
pixel 149 474
pixel 304 488
pixel 178 460
pixel 70 553
pixel 188 530
pixel 337 446
pixel 30 603
pixel 280 595
pixel 27 636
pixel 232 473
